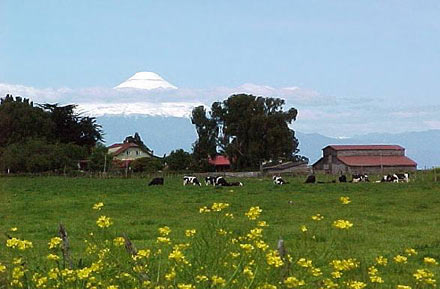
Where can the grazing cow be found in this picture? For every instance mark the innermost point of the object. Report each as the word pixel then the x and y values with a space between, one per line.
pixel 222 182
pixel 210 180
pixel 156 182
pixel 278 181
pixel 342 179
pixel 190 180
pixel 357 178
pixel 402 177
pixel 236 184
pixel 311 179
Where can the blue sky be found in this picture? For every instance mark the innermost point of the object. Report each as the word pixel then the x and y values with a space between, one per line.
pixel 370 57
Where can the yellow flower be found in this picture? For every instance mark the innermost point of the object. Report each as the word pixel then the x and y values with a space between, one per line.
pixel 171 275
pixel 18 244
pixel 267 286
pixel 303 262
pixel 255 233
pixel 344 264
pixel 247 247
pixel 292 282
pixel 410 251
pixel 201 278
pixel 303 228
pixel 342 224
pixel 253 213
pixel 345 200
pixel 317 217
pixel 113 287
pixel 429 260
pixel 98 206
pixel 217 207
pixel 119 241
pixel 229 215
pixel 248 272
pixel 2 268
pixel 54 242
pixel 356 284
pixel 185 286
pixel 190 232
pixel 13 229
pixel 273 259
pixel 381 261
pixel 53 257
pixel 216 280
pixel 177 256
pixel 163 240
pixel 336 274
pixel 403 287
pixel 261 245
pixel 262 224
pixel 400 259
pixel 104 222
pixel 204 209
pixel 164 231
pixel 425 276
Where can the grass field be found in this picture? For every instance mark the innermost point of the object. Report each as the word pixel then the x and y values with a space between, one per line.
pixel 387 219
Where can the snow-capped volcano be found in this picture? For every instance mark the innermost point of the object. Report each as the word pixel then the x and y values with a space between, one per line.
pixel 146 80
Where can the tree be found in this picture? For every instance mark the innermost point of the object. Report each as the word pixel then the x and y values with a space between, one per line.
pixel 71 127
pixel 21 121
pixel 207 131
pixel 136 139
pixel 178 160
pixel 147 164
pixel 249 129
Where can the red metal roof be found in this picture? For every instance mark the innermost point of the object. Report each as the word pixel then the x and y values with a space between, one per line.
pixel 373 161
pixel 115 145
pixel 219 161
pixel 123 147
pixel 365 147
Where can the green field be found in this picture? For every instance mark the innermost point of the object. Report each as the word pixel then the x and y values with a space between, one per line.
pixel 387 219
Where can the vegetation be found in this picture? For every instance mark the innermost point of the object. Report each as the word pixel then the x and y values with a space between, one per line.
pixel 43 138
pixel 248 129
pixel 335 235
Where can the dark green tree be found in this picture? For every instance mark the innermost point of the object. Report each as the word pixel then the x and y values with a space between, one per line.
pixel 249 129
pixel 207 131
pixel 179 160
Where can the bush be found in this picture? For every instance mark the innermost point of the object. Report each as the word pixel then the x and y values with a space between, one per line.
pixel 148 165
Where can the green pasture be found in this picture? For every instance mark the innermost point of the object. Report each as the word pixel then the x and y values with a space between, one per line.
pixel 387 217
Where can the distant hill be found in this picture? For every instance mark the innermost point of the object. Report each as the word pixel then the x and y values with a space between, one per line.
pixel 164 134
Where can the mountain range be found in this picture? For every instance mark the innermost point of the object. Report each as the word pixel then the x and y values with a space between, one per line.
pixel 164 134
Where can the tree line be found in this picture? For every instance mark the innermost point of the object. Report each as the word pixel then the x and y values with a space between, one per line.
pixel 50 137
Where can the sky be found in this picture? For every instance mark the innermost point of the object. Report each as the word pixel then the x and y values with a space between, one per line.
pixel 356 66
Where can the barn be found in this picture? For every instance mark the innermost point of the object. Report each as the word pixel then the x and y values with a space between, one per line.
pixel 372 159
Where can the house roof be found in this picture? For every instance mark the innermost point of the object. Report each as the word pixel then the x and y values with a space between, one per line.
pixel 219 161
pixel 374 161
pixel 365 147
pixel 115 145
pixel 122 147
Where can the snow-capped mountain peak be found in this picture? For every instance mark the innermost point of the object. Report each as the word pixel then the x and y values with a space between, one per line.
pixel 146 80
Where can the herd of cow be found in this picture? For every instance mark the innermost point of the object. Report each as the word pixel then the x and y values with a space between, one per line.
pixel 277 180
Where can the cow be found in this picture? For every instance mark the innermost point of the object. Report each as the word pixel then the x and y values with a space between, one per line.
pixel 395 178
pixel 342 179
pixel 357 178
pixel 310 179
pixel 402 177
pixel 210 180
pixel 278 181
pixel 222 182
pixel 156 182
pixel 191 180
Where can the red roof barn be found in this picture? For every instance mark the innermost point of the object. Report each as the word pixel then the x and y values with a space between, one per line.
pixel 364 159
pixel 220 162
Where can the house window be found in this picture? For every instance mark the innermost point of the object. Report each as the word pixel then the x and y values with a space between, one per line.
pixel 127 152
pixel 137 153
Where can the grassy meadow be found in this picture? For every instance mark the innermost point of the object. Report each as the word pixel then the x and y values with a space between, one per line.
pixel 388 220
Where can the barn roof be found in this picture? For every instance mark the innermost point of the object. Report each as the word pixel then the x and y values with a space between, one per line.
pixel 364 147
pixel 374 161
pixel 219 161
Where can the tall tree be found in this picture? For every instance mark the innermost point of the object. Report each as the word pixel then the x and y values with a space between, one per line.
pixel 207 131
pixel 249 129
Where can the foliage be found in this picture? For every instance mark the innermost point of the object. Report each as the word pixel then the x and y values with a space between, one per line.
pixel 36 155
pixel 192 239
pixel 248 129
pixel 136 139
pixel 100 158
pixel 147 164
pixel 178 160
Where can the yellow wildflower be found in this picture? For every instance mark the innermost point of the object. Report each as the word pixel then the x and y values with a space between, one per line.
pixel 98 206
pixel 292 282
pixel 216 280
pixel 303 262
pixel 400 259
pixel 13 229
pixel 267 286
pixel 303 228
pixel 113 287
pixel 247 247
pixel 345 200
pixel 425 276
pixel 273 259
pixel 342 224
pixel 262 224
pixel 356 284
pixel 217 207
pixel 164 231
pixel 190 232
pixel 185 286
pixel 53 257
pixel 18 244
pixel 403 287
pixel 171 275
pixel 381 260
pixel 204 209
pixel 104 222
pixel 54 242
pixel 2 268
pixel 410 251
pixel 119 241
pixel 317 217
pixel 163 240
pixel 201 278
pixel 429 260
pixel 253 213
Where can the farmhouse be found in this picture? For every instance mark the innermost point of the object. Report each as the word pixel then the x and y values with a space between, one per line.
pixel 374 159
pixel 125 153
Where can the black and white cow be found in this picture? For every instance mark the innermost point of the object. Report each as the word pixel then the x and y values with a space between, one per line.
pixel 395 178
pixel 402 177
pixel 156 182
pixel 278 180
pixel 357 178
pixel 310 179
pixel 210 180
pixel 191 180
pixel 222 182
pixel 342 179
